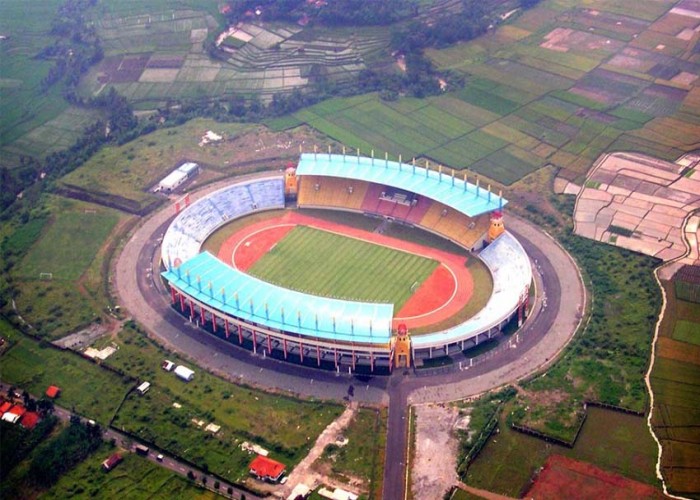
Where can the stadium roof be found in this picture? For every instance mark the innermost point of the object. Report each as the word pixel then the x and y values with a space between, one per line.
pixel 444 187
pixel 210 281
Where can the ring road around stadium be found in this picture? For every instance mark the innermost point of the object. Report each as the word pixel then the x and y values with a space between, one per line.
pixel 329 333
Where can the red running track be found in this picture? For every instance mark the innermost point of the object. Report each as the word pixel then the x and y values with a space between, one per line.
pixel 443 294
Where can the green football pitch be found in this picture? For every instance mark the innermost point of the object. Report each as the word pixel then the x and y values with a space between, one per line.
pixel 326 264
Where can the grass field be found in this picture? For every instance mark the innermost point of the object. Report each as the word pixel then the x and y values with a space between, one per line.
pixel 290 425
pixel 69 244
pixel 85 387
pixel 135 477
pixel 370 272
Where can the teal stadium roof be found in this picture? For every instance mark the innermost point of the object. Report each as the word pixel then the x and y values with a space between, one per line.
pixel 454 192
pixel 208 280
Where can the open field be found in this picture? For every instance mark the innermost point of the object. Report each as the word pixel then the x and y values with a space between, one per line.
pixel 85 387
pixel 362 458
pixel 155 418
pixel 125 173
pixel 135 477
pixel 675 380
pixel 613 441
pixel 370 273
pixel 71 247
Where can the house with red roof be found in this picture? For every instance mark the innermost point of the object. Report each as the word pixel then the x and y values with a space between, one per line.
pixel 5 406
pixel 266 469
pixel 14 414
pixel 111 462
pixel 29 420
pixel 53 391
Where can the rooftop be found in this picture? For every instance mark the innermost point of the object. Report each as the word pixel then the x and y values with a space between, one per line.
pixel 455 192
pixel 210 281
pixel 53 391
pixel 266 467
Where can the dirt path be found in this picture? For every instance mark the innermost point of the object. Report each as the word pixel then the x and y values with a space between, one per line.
pixel 303 472
pixel 482 493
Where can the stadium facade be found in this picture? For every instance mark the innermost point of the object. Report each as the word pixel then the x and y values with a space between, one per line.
pixel 330 333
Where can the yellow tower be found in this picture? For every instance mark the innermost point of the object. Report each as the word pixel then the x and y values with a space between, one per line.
pixel 402 347
pixel 290 181
pixel 496 228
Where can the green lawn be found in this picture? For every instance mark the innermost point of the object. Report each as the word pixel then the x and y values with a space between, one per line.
pixel 309 260
pixel 85 387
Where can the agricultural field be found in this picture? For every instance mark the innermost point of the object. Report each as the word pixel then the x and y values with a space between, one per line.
pixel 613 441
pixel 169 415
pixel 25 109
pixel 85 387
pixel 675 380
pixel 59 269
pixel 556 85
pixel 371 273
pixel 135 477
pixel 155 52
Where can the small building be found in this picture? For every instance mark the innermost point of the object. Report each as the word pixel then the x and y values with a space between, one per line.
pixel 29 420
pixel 167 365
pixel 14 414
pixel 5 406
pixel 143 388
pixel 266 469
pixel 177 177
pixel 53 391
pixel 184 373
pixel 111 462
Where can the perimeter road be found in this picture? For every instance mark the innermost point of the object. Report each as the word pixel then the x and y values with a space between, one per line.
pixel 555 272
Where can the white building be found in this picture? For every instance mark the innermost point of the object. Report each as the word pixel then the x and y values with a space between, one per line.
pixel 177 177
pixel 184 373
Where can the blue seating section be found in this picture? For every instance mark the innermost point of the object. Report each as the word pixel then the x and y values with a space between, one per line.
pixel 194 224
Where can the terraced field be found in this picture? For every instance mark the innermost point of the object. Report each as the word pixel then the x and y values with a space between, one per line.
pixel 308 260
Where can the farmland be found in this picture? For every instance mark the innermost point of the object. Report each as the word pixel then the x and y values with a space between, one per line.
pixel 613 441
pixel 557 85
pixel 34 122
pixel 675 380
pixel 371 273
pixel 155 52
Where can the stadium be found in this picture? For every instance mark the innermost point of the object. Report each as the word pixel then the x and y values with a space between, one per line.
pixel 308 321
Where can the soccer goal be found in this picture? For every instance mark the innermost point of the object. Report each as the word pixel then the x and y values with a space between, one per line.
pixel 46 276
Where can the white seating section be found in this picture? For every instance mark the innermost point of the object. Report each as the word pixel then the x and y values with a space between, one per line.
pixel 194 224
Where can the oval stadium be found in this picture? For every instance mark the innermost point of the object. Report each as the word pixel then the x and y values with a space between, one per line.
pixel 275 266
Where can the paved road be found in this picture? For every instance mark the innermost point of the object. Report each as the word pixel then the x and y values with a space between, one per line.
pixel 168 462
pixel 556 276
